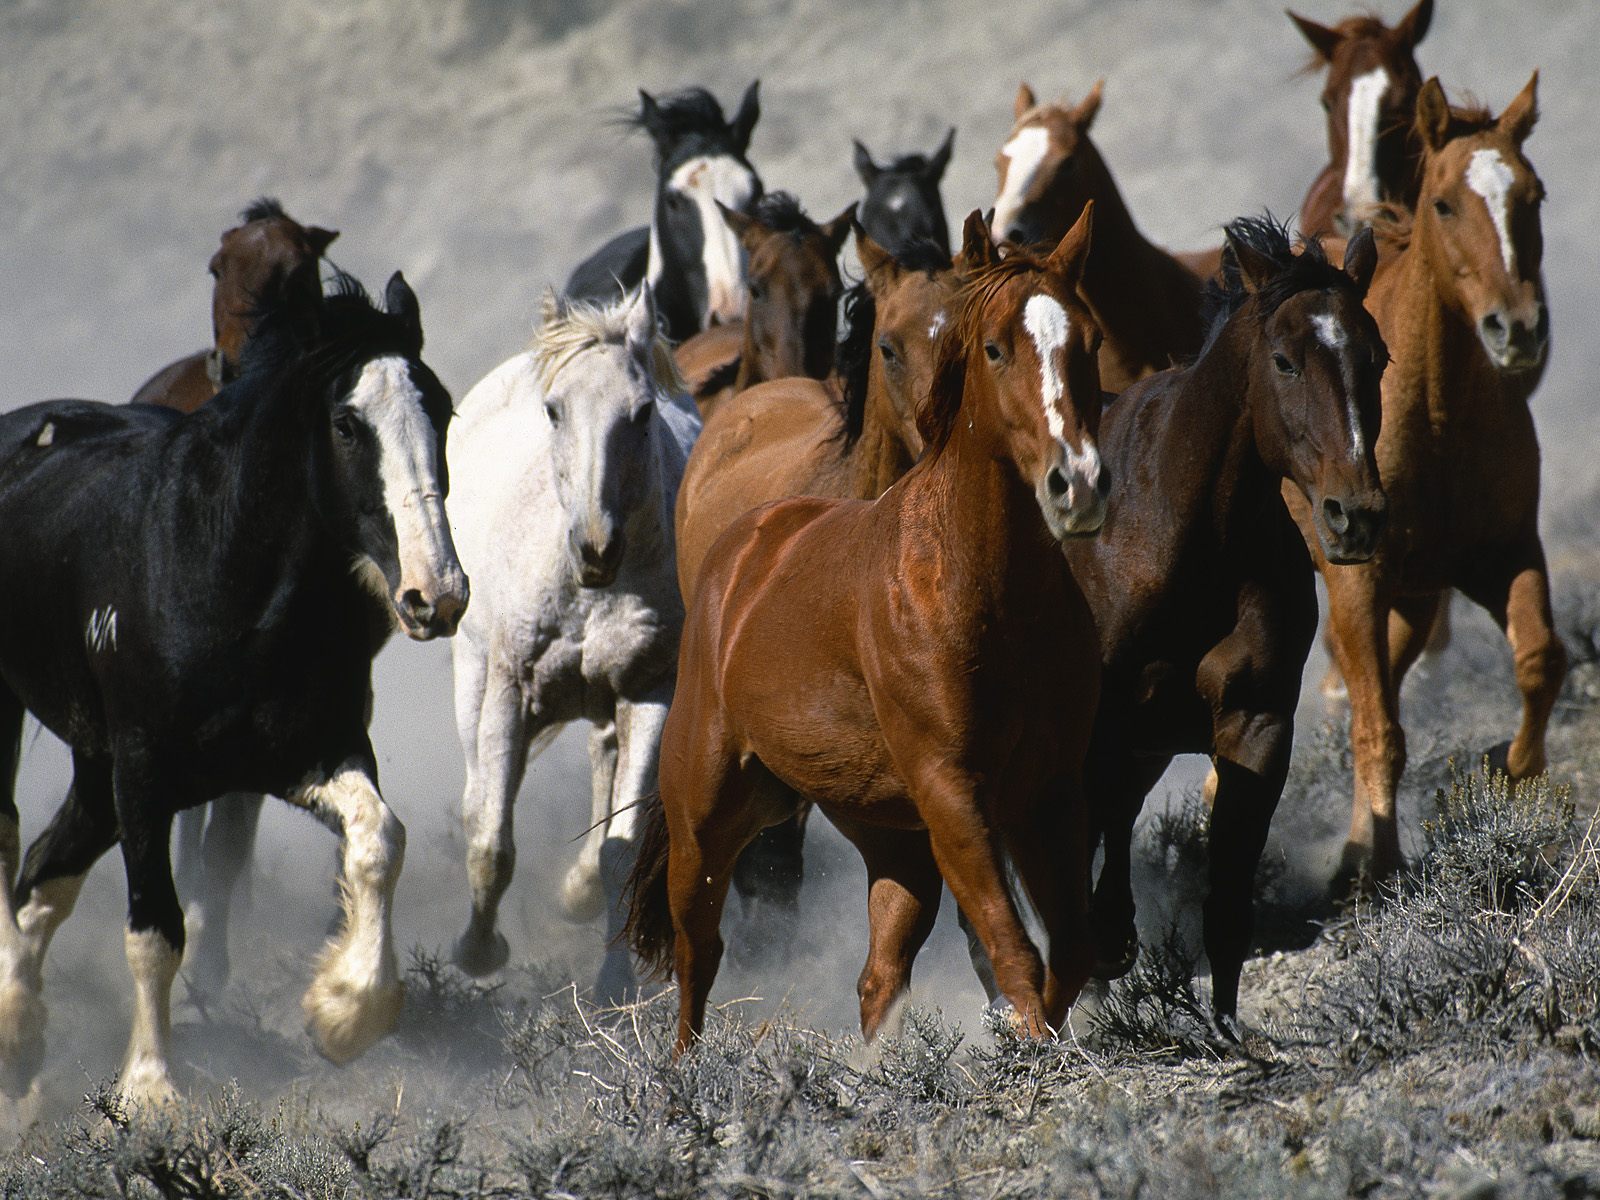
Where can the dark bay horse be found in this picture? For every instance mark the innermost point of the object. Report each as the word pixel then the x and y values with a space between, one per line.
pixel 1145 300
pixel 792 273
pixel 689 256
pixel 196 604
pixel 1370 97
pixel 1199 582
pixel 922 666
pixel 266 255
pixel 1460 301
pixel 902 204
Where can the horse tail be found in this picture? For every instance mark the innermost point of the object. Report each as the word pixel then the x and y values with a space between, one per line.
pixel 648 929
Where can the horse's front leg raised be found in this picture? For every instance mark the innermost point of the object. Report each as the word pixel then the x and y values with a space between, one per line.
pixel 355 996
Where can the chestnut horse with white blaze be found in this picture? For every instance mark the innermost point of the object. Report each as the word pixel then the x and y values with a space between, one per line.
pixel 921 666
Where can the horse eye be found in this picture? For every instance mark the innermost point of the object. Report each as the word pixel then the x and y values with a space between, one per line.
pixel 885 349
pixel 1442 208
pixel 1285 367
pixel 345 426
pixel 551 412
pixel 992 350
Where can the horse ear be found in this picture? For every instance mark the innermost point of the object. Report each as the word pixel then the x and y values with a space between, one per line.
pixel 941 158
pixel 1083 115
pixel 836 230
pixel 1413 26
pixel 977 247
pixel 1433 114
pixel 875 260
pixel 641 328
pixel 865 167
pixel 1323 40
pixel 740 223
pixel 400 301
pixel 650 116
pixel 320 239
pixel 1072 251
pixel 550 306
pixel 744 121
pixel 1024 101
pixel 1522 113
pixel 1256 270
pixel 1361 259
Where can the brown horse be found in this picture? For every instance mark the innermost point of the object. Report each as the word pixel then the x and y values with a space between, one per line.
pixel 1200 583
pixel 922 666
pixel 1146 300
pixel 268 255
pixel 1460 301
pixel 1370 96
pixel 792 274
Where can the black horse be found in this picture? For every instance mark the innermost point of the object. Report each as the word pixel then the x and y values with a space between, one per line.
pixel 688 254
pixel 195 606
pixel 902 204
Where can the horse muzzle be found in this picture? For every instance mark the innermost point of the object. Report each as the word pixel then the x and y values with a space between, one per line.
pixel 1073 494
pixel 1350 529
pixel 1516 341
pixel 434 613
pixel 598 563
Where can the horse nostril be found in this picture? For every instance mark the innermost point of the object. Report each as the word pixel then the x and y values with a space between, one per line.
pixel 1334 514
pixel 415 607
pixel 1056 482
pixel 1494 326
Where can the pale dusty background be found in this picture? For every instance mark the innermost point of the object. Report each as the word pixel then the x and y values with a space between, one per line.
pixel 471 144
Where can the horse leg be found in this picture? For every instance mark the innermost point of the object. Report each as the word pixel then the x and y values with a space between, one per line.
pixel 83 828
pixel 355 996
pixel 903 893
pixel 499 759
pixel 772 868
pixel 1118 790
pixel 230 838
pixel 583 894
pixel 1240 819
pixel 154 936
pixel 1519 601
pixel 188 850
pixel 638 738
pixel 1051 855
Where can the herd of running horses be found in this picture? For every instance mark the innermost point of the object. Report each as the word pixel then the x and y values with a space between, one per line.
pixel 962 555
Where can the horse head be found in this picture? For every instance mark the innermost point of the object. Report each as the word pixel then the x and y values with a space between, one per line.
pixel 902 204
pixel 1047 168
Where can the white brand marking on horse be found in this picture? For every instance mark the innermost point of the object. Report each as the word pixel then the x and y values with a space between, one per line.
pixel 1361 157
pixel 47 435
pixel 1046 322
pixel 1025 153
pixel 1491 178
pixel 101 633
pixel 705 181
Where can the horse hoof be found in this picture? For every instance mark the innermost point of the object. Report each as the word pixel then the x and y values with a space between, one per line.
pixel 1499 757
pixel 1114 964
pixel 583 896
pixel 146 1085
pixel 481 956
pixel 617 984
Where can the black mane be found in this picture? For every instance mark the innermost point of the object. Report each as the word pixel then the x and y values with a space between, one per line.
pixel 781 213
pixel 318 345
pixel 681 114
pixel 263 208
pixel 906 164
pixel 1307 270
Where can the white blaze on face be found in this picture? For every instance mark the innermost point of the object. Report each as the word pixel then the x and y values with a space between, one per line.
pixel 936 327
pixel 1024 154
pixel 1491 178
pixel 390 404
pixel 705 182
pixel 1046 323
pixel 1361 155
pixel 1331 333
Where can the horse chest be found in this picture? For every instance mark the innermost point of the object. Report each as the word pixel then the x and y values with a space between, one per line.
pixel 585 654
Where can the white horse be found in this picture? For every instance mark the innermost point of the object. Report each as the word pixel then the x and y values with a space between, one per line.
pixel 566 461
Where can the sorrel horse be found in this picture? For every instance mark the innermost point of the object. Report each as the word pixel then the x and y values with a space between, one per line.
pixel 1199 582
pixel 197 603
pixel 568 458
pixel 1460 301
pixel 1370 96
pixel 902 204
pixel 264 257
pixel 850 436
pixel 792 273
pixel 1145 300
pixel 921 666
pixel 688 255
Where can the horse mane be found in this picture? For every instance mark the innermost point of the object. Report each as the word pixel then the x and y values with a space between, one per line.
pixel 263 208
pixel 1363 25
pixel 1302 271
pixel 321 343
pixel 780 212
pixel 681 113
pixel 573 327
pixel 906 164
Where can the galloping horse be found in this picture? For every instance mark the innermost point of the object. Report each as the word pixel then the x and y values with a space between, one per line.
pixel 1199 582
pixel 265 256
pixel 1145 300
pixel 1460 302
pixel 197 601
pixel 1370 96
pixel 688 255
pixel 902 203
pixel 922 666
pixel 792 274
pixel 568 458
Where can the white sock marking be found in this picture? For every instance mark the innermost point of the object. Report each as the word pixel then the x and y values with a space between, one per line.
pixel 1491 178
pixel 1025 154
pixel 1361 156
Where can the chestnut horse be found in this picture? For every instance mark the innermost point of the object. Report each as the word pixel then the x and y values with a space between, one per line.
pixel 921 666
pixel 1370 96
pixel 1460 301
pixel 850 436
pixel 268 255
pixel 1146 300
pixel 1200 583
pixel 792 274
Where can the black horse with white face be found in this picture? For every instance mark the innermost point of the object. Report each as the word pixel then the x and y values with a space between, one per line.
pixel 692 260
pixel 194 606
pixel 902 204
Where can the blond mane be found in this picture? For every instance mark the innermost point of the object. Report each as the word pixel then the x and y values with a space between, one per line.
pixel 568 328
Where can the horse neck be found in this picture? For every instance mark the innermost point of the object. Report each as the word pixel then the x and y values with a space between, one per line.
pixel 1215 422
pixel 673 307
pixel 878 457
